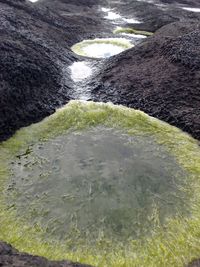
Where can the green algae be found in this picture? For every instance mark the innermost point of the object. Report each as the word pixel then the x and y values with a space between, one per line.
pixel 172 245
pixel 120 42
pixel 97 179
pixel 132 31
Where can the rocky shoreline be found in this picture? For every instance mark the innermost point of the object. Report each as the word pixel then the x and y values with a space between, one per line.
pixel 35 58
pixel 160 76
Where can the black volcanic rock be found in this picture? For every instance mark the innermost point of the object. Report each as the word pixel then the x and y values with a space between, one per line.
pixel 10 257
pixel 161 77
pixel 35 50
pixel 33 66
pixel 156 13
pixel 194 263
pixel 34 59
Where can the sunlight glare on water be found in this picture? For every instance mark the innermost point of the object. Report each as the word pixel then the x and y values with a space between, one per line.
pixel 101 50
pixel 80 71
pixel 192 9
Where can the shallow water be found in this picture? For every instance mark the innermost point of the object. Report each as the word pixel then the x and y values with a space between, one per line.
pixel 97 181
pixel 102 50
pixel 132 35
pixel 191 9
pixel 102 47
pixel 117 18
pixel 80 71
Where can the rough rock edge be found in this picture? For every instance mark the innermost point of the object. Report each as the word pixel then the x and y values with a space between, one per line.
pixel 10 257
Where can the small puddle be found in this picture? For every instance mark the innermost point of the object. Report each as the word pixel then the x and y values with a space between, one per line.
pixel 102 48
pixel 97 180
pixel 117 18
pixel 80 71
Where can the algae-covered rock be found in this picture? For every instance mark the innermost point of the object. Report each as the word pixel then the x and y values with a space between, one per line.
pixel 101 184
pixel 132 31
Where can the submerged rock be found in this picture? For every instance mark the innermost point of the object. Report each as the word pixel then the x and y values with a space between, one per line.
pixel 10 257
pixel 159 76
pixel 95 178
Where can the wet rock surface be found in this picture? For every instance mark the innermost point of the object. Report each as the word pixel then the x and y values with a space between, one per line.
pixel 34 59
pixel 11 257
pixel 35 52
pixel 157 13
pixel 160 77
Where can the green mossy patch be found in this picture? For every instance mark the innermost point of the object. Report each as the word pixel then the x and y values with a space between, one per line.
pixel 132 31
pixel 121 42
pixel 172 245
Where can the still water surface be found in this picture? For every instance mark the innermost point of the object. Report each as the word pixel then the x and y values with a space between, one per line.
pixel 99 180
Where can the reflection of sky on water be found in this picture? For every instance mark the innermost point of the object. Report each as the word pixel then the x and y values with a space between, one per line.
pixel 102 50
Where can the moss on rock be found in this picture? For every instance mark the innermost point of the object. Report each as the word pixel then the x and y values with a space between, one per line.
pixel 132 31
pixel 119 42
pixel 172 245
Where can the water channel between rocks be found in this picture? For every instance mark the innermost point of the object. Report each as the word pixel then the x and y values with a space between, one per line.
pixel 99 180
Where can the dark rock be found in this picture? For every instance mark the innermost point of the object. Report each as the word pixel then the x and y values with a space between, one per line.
pixel 34 58
pixel 10 257
pixel 35 51
pixel 161 77
pixel 156 14
pixel 194 263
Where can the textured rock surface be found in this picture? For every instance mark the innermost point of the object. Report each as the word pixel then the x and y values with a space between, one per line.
pixel 33 63
pixel 156 13
pixel 160 76
pixel 10 257
pixel 35 55
pixel 35 50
